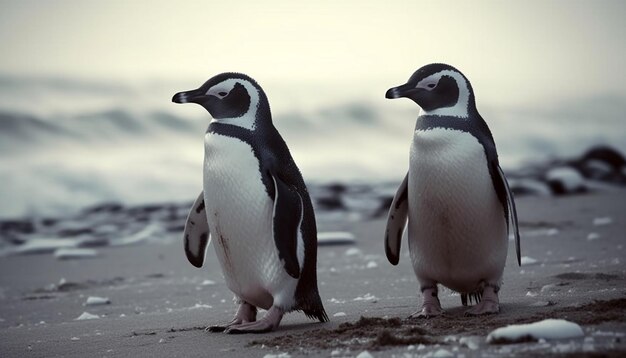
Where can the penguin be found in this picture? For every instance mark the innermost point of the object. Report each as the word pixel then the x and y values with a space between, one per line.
pixel 254 206
pixel 455 196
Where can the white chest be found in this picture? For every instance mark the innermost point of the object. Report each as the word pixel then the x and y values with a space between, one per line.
pixel 456 221
pixel 239 214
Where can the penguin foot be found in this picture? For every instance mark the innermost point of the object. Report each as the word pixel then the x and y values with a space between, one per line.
pixel 245 314
pixel 431 307
pixel 489 304
pixel 269 322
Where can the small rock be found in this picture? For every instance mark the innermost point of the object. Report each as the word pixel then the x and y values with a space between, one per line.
pixel 339 314
pixel 353 251
pixel 602 221
pixel 593 236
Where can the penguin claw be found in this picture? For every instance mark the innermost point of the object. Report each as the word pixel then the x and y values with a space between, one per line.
pixel 485 307
pixel 427 311
pixel 268 323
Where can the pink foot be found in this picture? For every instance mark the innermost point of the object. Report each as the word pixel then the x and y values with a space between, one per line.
pixel 269 322
pixel 245 314
pixel 489 304
pixel 431 307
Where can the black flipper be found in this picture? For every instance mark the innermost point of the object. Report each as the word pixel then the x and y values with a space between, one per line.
pixel 197 235
pixel 512 211
pixel 396 221
pixel 287 218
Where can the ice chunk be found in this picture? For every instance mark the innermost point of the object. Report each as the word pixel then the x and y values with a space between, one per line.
pixel 85 316
pixel 546 329
pixel 371 264
pixel 442 353
pixel 339 314
pixel 96 301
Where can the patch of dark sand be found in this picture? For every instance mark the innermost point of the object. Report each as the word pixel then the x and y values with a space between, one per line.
pixel 377 333
pixel 367 333
pixel 609 354
pixel 67 286
pixel 583 276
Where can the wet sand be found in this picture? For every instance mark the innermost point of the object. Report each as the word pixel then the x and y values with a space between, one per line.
pixel 160 304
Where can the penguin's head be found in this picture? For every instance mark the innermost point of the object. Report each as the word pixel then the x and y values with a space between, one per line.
pixel 231 98
pixel 439 89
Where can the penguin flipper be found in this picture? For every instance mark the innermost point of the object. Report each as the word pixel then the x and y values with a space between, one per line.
pixel 512 212
pixel 286 221
pixel 197 235
pixel 396 221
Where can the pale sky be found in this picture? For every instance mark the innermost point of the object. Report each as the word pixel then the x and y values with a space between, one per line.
pixel 530 48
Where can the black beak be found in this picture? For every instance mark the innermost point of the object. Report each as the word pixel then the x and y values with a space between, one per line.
pixel 185 97
pixel 400 91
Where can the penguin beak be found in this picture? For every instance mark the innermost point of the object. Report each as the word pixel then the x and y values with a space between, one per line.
pixel 186 97
pixel 404 90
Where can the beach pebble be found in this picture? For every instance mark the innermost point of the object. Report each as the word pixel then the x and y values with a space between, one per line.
pixel 74 339
pixel 95 301
pixel 442 353
pixel 339 314
pixel 550 287
pixel 546 329
pixel 365 354
pixel 208 283
pixel 371 264
pixel 335 238
pixel 593 236
pixel 279 355
pixel 602 221
pixel 72 253
pixel 469 342
pixel 85 316
pixel 353 251
pixel 526 260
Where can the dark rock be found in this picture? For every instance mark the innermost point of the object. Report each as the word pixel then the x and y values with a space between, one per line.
pixel 383 209
pixel 17 226
pixel 330 203
pixel 602 163
pixel 565 180
pixel 105 208
pixel 73 232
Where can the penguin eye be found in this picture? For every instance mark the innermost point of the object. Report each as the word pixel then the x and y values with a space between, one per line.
pixel 431 85
pixel 223 94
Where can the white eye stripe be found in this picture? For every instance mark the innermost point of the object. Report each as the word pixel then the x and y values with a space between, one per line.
pixel 460 108
pixel 247 120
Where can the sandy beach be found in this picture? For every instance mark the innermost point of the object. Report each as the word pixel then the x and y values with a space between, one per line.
pixel 575 269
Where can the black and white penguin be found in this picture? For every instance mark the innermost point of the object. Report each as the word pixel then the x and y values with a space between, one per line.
pixel 455 195
pixel 254 206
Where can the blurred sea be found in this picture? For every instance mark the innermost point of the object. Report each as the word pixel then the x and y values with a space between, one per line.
pixel 67 144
